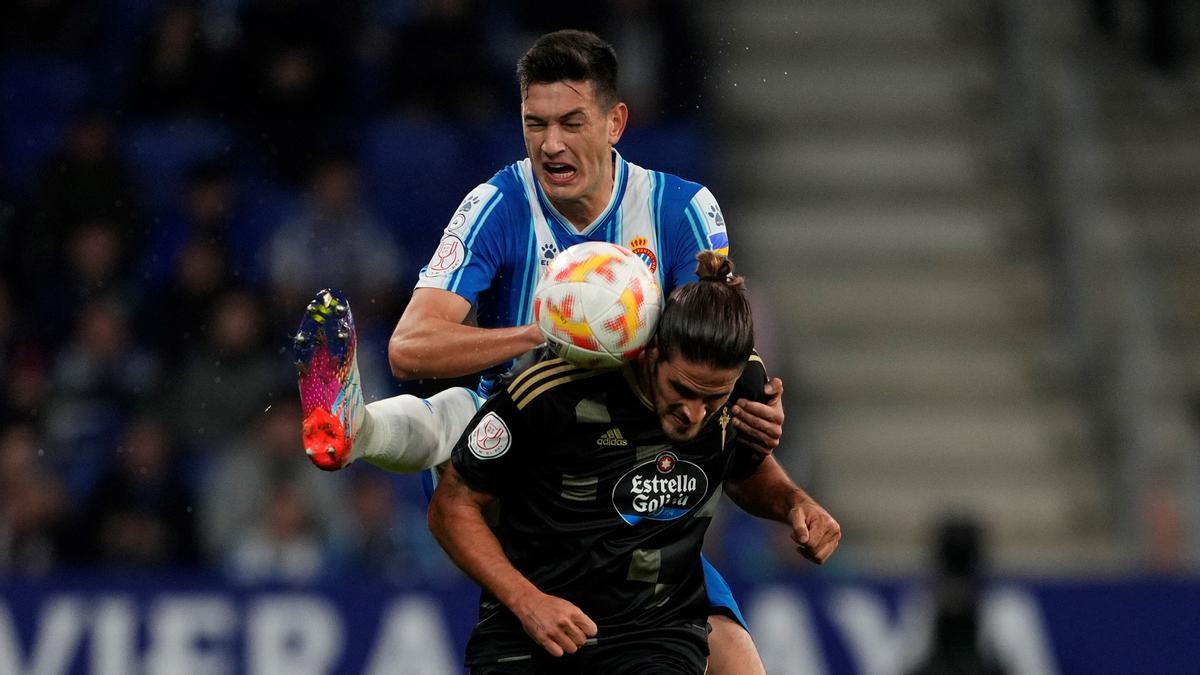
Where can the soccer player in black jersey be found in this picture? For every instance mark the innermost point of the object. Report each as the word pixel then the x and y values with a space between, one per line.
pixel 600 484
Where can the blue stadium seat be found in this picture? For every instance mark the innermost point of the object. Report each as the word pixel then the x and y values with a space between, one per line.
pixel 161 153
pixel 415 174
pixel 38 97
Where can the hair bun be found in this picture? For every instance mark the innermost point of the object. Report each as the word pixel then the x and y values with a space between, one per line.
pixel 714 267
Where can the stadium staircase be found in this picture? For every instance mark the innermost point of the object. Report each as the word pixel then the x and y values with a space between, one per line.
pixel 875 203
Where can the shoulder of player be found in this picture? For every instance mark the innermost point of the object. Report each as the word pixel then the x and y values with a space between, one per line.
pixel 754 376
pixel 552 378
pixel 505 188
pixel 675 193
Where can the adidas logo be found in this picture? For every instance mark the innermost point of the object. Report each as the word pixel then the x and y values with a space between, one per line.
pixel 612 437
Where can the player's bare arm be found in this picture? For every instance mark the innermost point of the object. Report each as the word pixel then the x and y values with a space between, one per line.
pixel 431 340
pixel 760 425
pixel 769 493
pixel 457 522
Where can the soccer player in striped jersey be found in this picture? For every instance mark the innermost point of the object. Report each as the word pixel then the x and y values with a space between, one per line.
pixel 606 482
pixel 471 310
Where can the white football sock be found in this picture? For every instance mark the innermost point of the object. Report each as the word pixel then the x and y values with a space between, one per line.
pixel 406 434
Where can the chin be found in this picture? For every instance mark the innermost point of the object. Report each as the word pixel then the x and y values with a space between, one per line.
pixel 680 435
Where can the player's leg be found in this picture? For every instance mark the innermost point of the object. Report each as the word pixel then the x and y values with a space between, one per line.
pixel 731 651
pixel 403 433
pixel 410 434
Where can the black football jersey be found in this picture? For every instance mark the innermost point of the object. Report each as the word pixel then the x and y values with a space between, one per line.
pixel 596 504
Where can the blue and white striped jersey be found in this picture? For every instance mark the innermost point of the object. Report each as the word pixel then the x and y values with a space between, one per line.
pixel 506 232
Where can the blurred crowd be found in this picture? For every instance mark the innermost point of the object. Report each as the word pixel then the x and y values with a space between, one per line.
pixel 176 180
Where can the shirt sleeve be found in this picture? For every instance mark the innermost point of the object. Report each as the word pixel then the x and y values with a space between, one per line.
pixel 701 228
pixel 496 445
pixel 751 386
pixel 469 254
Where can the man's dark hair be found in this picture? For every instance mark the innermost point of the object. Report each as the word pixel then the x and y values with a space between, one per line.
pixel 708 321
pixel 571 55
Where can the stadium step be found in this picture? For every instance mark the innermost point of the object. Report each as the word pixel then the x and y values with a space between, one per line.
pixel 957 372
pixel 877 215
pixel 929 299
pixel 1032 504
pixel 933 233
pixel 896 437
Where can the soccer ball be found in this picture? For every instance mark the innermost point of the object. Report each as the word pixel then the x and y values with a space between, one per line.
pixel 597 304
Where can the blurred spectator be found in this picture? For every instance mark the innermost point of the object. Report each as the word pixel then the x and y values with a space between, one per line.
pixel 385 545
pixel 99 378
pixel 296 57
pixel 230 379
pixel 142 510
pixel 335 241
pixel 284 547
pixel 84 181
pixel 178 317
pixel 96 266
pixel 175 74
pixel 51 27
pixel 441 45
pixel 957 591
pixel 238 499
pixel 27 384
pixel 206 214
pixel 32 505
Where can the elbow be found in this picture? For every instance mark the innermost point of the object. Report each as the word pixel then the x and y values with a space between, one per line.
pixel 404 363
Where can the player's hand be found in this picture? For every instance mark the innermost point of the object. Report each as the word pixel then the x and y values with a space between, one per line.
pixel 557 625
pixel 760 425
pixel 815 532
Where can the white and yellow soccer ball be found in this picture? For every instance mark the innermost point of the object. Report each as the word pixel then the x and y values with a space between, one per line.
pixel 597 304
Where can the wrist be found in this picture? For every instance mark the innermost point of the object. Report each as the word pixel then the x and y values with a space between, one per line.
pixel 534 336
pixel 518 594
pixel 797 500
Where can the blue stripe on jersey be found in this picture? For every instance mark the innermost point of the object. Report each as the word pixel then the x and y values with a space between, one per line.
pixel 532 263
pixel 622 183
pixel 476 228
pixel 698 229
pixel 658 183
pixel 619 224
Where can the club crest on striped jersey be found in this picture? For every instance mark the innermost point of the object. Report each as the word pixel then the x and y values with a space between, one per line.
pixel 664 488
pixel 640 246
pixel 490 438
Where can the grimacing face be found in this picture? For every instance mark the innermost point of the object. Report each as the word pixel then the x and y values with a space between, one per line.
pixel 686 394
pixel 569 137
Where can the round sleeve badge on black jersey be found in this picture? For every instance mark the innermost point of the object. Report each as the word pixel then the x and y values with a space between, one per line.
pixel 490 438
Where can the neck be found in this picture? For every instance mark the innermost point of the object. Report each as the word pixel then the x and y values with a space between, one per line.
pixel 643 375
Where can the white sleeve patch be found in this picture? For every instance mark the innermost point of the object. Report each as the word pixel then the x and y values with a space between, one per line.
pixel 468 211
pixel 490 438
pixel 452 251
pixel 714 222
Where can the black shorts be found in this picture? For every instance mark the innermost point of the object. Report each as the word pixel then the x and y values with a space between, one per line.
pixel 672 651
